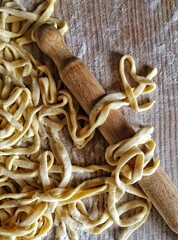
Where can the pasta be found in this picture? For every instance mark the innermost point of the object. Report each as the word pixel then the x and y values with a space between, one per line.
pixel 35 181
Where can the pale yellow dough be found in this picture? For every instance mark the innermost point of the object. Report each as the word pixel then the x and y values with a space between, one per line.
pixel 35 183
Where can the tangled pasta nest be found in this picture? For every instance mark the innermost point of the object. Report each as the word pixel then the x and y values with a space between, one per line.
pixel 35 183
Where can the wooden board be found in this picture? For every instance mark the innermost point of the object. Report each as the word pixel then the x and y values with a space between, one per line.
pixel 100 32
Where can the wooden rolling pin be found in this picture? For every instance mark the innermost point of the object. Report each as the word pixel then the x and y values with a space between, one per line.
pixel 87 90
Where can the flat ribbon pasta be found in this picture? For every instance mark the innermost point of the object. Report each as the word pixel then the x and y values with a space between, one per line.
pixel 36 172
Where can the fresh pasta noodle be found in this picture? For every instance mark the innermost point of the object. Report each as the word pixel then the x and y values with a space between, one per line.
pixel 36 191
pixel 145 84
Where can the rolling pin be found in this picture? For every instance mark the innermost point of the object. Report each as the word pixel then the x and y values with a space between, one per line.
pixel 86 89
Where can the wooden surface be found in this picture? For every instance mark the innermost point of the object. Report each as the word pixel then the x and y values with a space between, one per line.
pixel 100 32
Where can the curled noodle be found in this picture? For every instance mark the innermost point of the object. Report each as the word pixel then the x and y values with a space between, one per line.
pixel 36 190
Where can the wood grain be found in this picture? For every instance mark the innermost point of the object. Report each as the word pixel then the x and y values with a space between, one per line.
pixel 146 30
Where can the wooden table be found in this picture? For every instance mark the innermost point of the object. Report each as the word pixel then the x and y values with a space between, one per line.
pixel 100 32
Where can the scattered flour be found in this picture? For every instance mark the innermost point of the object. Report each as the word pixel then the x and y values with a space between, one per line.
pixel 81 50
pixel 175 16
pixel 154 3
